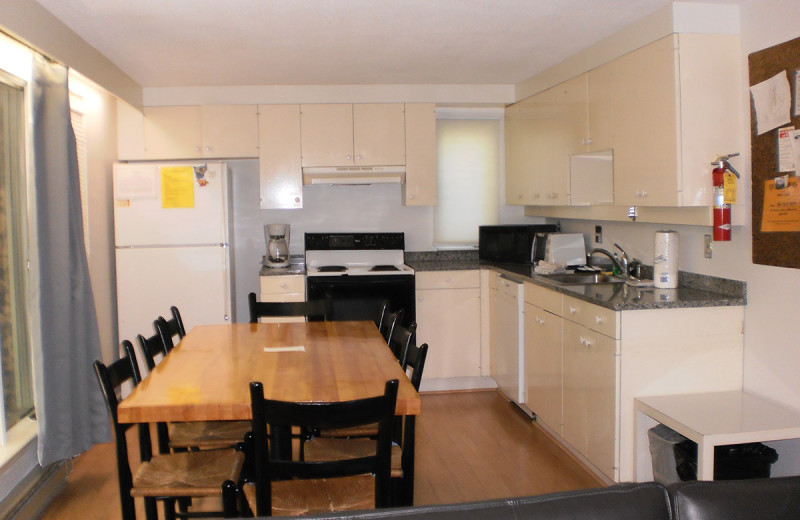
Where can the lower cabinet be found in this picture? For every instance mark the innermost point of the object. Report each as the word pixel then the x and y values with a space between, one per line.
pixel 590 395
pixel 448 320
pixel 586 363
pixel 283 288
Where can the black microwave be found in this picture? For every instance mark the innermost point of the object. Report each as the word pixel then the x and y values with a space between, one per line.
pixel 511 243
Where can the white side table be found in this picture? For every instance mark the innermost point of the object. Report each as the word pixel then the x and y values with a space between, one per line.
pixel 711 419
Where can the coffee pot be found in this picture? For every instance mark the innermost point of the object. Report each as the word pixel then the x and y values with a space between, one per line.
pixel 277 238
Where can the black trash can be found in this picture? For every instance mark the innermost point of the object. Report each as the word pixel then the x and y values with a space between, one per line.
pixel 731 462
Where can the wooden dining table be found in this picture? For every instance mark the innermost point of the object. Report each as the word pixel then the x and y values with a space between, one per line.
pixel 207 375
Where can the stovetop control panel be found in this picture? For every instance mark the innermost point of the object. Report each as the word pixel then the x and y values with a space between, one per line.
pixel 354 241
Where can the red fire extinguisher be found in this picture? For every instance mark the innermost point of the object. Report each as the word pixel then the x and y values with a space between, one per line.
pixel 723 198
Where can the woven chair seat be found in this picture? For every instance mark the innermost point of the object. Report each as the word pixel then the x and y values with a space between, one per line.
pixel 187 474
pixel 207 435
pixel 303 497
pixel 321 448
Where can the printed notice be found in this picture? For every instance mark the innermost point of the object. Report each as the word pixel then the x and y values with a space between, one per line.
pixel 772 100
pixel 796 112
pixel 781 206
pixel 291 348
pixel 177 187
pixel 785 157
pixel 135 183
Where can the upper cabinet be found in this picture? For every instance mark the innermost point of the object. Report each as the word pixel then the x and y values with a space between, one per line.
pixel 353 135
pixel 420 188
pixel 666 111
pixel 187 132
pixel 542 132
pixel 281 176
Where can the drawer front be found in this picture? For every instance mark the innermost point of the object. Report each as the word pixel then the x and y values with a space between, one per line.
pixel 544 298
pixel 465 279
pixel 283 284
pixel 605 321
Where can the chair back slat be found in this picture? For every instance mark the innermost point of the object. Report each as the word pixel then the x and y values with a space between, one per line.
pixel 415 360
pixel 401 339
pixel 272 416
pixel 314 310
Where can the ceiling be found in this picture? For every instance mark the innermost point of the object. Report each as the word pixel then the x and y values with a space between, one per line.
pixel 167 43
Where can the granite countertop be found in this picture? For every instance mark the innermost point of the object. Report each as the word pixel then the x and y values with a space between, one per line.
pixel 694 290
pixel 296 267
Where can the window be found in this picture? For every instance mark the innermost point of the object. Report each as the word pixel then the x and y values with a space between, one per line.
pixel 15 359
pixel 469 146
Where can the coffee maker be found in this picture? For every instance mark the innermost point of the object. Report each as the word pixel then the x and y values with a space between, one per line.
pixel 277 239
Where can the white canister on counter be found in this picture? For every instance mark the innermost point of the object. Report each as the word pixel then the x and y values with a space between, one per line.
pixel 665 260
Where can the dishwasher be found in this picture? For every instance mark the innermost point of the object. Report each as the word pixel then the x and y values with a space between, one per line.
pixel 509 351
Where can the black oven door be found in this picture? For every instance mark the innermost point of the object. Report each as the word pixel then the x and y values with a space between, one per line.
pixel 360 297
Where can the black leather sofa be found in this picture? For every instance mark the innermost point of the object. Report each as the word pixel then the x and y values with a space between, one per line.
pixel 762 499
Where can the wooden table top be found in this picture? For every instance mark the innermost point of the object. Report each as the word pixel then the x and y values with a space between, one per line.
pixel 207 376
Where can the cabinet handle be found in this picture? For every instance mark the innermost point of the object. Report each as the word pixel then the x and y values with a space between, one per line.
pixel 208 148
pixel 641 193
pixel 297 199
pixel 585 342
pixel 539 320
pixel 598 320
pixel 572 310
pixel 411 196
pixel 349 157
pixel 283 285
pixel 358 157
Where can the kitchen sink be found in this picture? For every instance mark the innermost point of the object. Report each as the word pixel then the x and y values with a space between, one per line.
pixel 581 278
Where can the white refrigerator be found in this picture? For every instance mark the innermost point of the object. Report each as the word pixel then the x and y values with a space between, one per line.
pixel 172 239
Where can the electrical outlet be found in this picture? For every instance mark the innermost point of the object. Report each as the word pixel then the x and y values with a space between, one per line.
pixel 598 234
pixel 707 250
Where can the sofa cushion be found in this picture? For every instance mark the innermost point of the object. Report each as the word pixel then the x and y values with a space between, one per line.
pixel 756 499
pixel 647 501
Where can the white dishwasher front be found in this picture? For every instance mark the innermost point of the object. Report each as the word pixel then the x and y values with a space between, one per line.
pixel 509 350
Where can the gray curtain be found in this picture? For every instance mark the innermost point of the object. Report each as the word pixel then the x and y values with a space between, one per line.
pixel 69 405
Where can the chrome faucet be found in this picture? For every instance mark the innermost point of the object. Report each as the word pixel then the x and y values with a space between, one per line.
pixel 624 261
pixel 600 250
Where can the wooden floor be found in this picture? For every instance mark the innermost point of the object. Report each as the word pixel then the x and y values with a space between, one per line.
pixel 470 446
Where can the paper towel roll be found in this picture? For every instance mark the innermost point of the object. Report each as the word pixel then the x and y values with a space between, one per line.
pixel 665 260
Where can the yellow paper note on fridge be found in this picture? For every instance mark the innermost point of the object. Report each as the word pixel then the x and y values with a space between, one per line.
pixel 177 187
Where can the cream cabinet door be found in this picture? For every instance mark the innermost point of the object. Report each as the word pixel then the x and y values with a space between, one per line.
pixel 543 366
pixel 279 156
pixel 379 134
pixel 229 130
pixel 448 320
pixel 420 188
pixel 591 370
pixel 541 133
pixel 327 134
pixel 634 109
pixel 173 132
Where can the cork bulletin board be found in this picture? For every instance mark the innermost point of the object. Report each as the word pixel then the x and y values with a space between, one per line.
pixel 776 233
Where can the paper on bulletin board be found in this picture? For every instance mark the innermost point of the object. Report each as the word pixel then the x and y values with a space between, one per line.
pixel 781 206
pixel 785 157
pixel 177 187
pixel 772 100
pixel 796 112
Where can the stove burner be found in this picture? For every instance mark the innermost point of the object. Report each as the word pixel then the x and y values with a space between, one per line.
pixel 331 268
pixel 384 268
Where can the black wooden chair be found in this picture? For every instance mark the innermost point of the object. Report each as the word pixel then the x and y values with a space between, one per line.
pixel 388 321
pixel 315 310
pixel 165 477
pixel 401 339
pixel 328 447
pixel 291 487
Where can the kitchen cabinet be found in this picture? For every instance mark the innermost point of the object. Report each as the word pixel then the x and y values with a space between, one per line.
pixel 188 132
pixel 281 175
pixel 448 320
pixel 282 288
pixel 542 132
pixel 667 109
pixel 420 188
pixel 353 135
pixel 610 357
pixel 591 370
pixel 543 355
pixel 508 355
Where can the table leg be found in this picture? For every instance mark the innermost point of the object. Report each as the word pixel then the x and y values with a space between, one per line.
pixel 407 461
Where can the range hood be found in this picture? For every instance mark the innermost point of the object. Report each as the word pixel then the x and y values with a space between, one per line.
pixel 353 175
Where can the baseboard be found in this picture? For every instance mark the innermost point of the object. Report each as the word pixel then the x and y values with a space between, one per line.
pixel 455 384
pixel 30 498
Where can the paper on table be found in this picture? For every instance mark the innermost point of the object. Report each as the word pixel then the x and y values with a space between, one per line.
pixel 772 100
pixel 292 348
